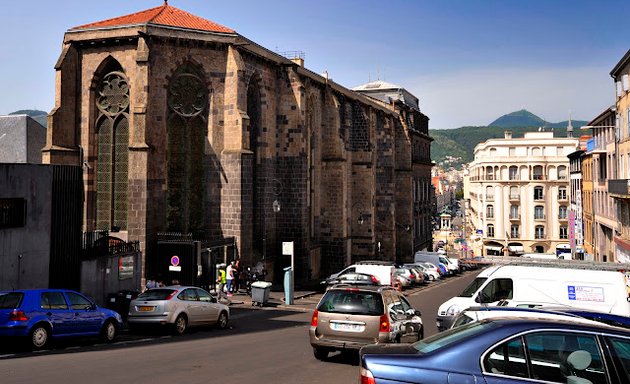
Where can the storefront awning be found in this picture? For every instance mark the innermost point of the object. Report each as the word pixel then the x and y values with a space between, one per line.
pixel 563 246
pixel 516 248
pixel 493 248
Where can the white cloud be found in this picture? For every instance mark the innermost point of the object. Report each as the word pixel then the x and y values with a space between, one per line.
pixel 478 97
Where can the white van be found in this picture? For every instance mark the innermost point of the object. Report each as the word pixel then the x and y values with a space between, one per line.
pixel 383 272
pixel 530 285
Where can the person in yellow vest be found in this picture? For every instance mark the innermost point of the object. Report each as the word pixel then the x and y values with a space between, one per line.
pixel 221 280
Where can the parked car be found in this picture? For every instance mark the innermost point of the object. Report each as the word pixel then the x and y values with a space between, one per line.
pixel 347 318
pixel 409 274
pixel 355 279
pixel 178 307
pixel 477 313
pixel 382 270
pixel 39 315
pixel 443 269
pixel 503 350
pixel 428 274
pixel 431 270
pixel 403 281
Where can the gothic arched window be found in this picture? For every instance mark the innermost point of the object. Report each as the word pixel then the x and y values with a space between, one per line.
pixel 187 132
pixel 112 164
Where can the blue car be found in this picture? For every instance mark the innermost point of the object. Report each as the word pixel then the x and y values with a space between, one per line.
pixel 443 269
pixel 38 315
pixel 483 312
pixel 505 350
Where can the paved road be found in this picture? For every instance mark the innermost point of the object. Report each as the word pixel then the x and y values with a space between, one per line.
pixel 263 345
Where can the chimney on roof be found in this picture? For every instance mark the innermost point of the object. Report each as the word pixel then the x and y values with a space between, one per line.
pixel 298 60
pixel 508 134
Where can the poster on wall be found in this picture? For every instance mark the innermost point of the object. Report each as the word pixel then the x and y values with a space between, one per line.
pixel 125 267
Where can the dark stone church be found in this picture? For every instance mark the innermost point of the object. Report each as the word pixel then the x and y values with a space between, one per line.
pixel 183 125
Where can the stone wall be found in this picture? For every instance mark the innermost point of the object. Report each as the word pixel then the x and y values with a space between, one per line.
pixel 328 155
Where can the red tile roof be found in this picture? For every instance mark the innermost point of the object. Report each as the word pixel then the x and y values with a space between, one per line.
pixel 162 15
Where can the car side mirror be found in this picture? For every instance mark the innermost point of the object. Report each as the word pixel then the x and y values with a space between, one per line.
pixel 213 299
pixel 477 299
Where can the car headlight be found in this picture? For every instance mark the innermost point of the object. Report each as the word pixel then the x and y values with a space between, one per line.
pixel 453 310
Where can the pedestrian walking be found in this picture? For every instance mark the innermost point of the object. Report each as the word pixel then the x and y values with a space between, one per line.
pixel 229 277
pixel 236 284
pixel 221 281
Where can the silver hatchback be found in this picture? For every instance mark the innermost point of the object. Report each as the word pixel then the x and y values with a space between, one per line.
pixel 348 317
pixel 179 307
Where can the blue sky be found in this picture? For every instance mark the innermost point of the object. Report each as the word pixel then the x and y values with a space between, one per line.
pixel 468 61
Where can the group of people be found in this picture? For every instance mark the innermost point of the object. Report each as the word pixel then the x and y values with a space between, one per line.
pixel 154 283
pixel 231 277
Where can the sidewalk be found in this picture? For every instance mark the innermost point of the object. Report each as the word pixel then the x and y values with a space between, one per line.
pixel 303 301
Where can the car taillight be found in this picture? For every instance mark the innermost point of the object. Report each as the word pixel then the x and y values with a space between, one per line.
pixel 412 276
pixel 375 280
pixel 384 327
pixel 367 377
pixel 171 295
pixel 17 316
pixel 314 319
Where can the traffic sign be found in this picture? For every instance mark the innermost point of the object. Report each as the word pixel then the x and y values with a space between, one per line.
pixel 175 267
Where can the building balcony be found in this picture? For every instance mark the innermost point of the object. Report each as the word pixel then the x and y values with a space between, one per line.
pixel 515 235
pixel 489 197
pixel 539 236
pixel 563 217
pixel 515 217
pixel 538 177
pixel 619 189
pixel 539 218
pixel 515 198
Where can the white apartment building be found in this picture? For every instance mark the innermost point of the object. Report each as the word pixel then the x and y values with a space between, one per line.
pixel 518 194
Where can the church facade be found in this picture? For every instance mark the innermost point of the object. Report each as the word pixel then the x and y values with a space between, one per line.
pixel 183 125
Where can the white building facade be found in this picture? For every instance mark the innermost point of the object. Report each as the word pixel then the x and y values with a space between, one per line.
pixel 518 190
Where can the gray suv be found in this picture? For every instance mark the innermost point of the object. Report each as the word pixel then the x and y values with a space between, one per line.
pixel 349 317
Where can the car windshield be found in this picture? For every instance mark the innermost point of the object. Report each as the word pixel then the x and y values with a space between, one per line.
pixel 451 336
pixel 10 300
pixel 462 319
pixel 155 294
pixel 473 287
pixel 352 301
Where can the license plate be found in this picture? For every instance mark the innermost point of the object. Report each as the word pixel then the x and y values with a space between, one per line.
pixel 347 327
pixel 145 309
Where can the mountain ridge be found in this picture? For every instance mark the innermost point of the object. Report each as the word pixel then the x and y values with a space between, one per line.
pixel 454 147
